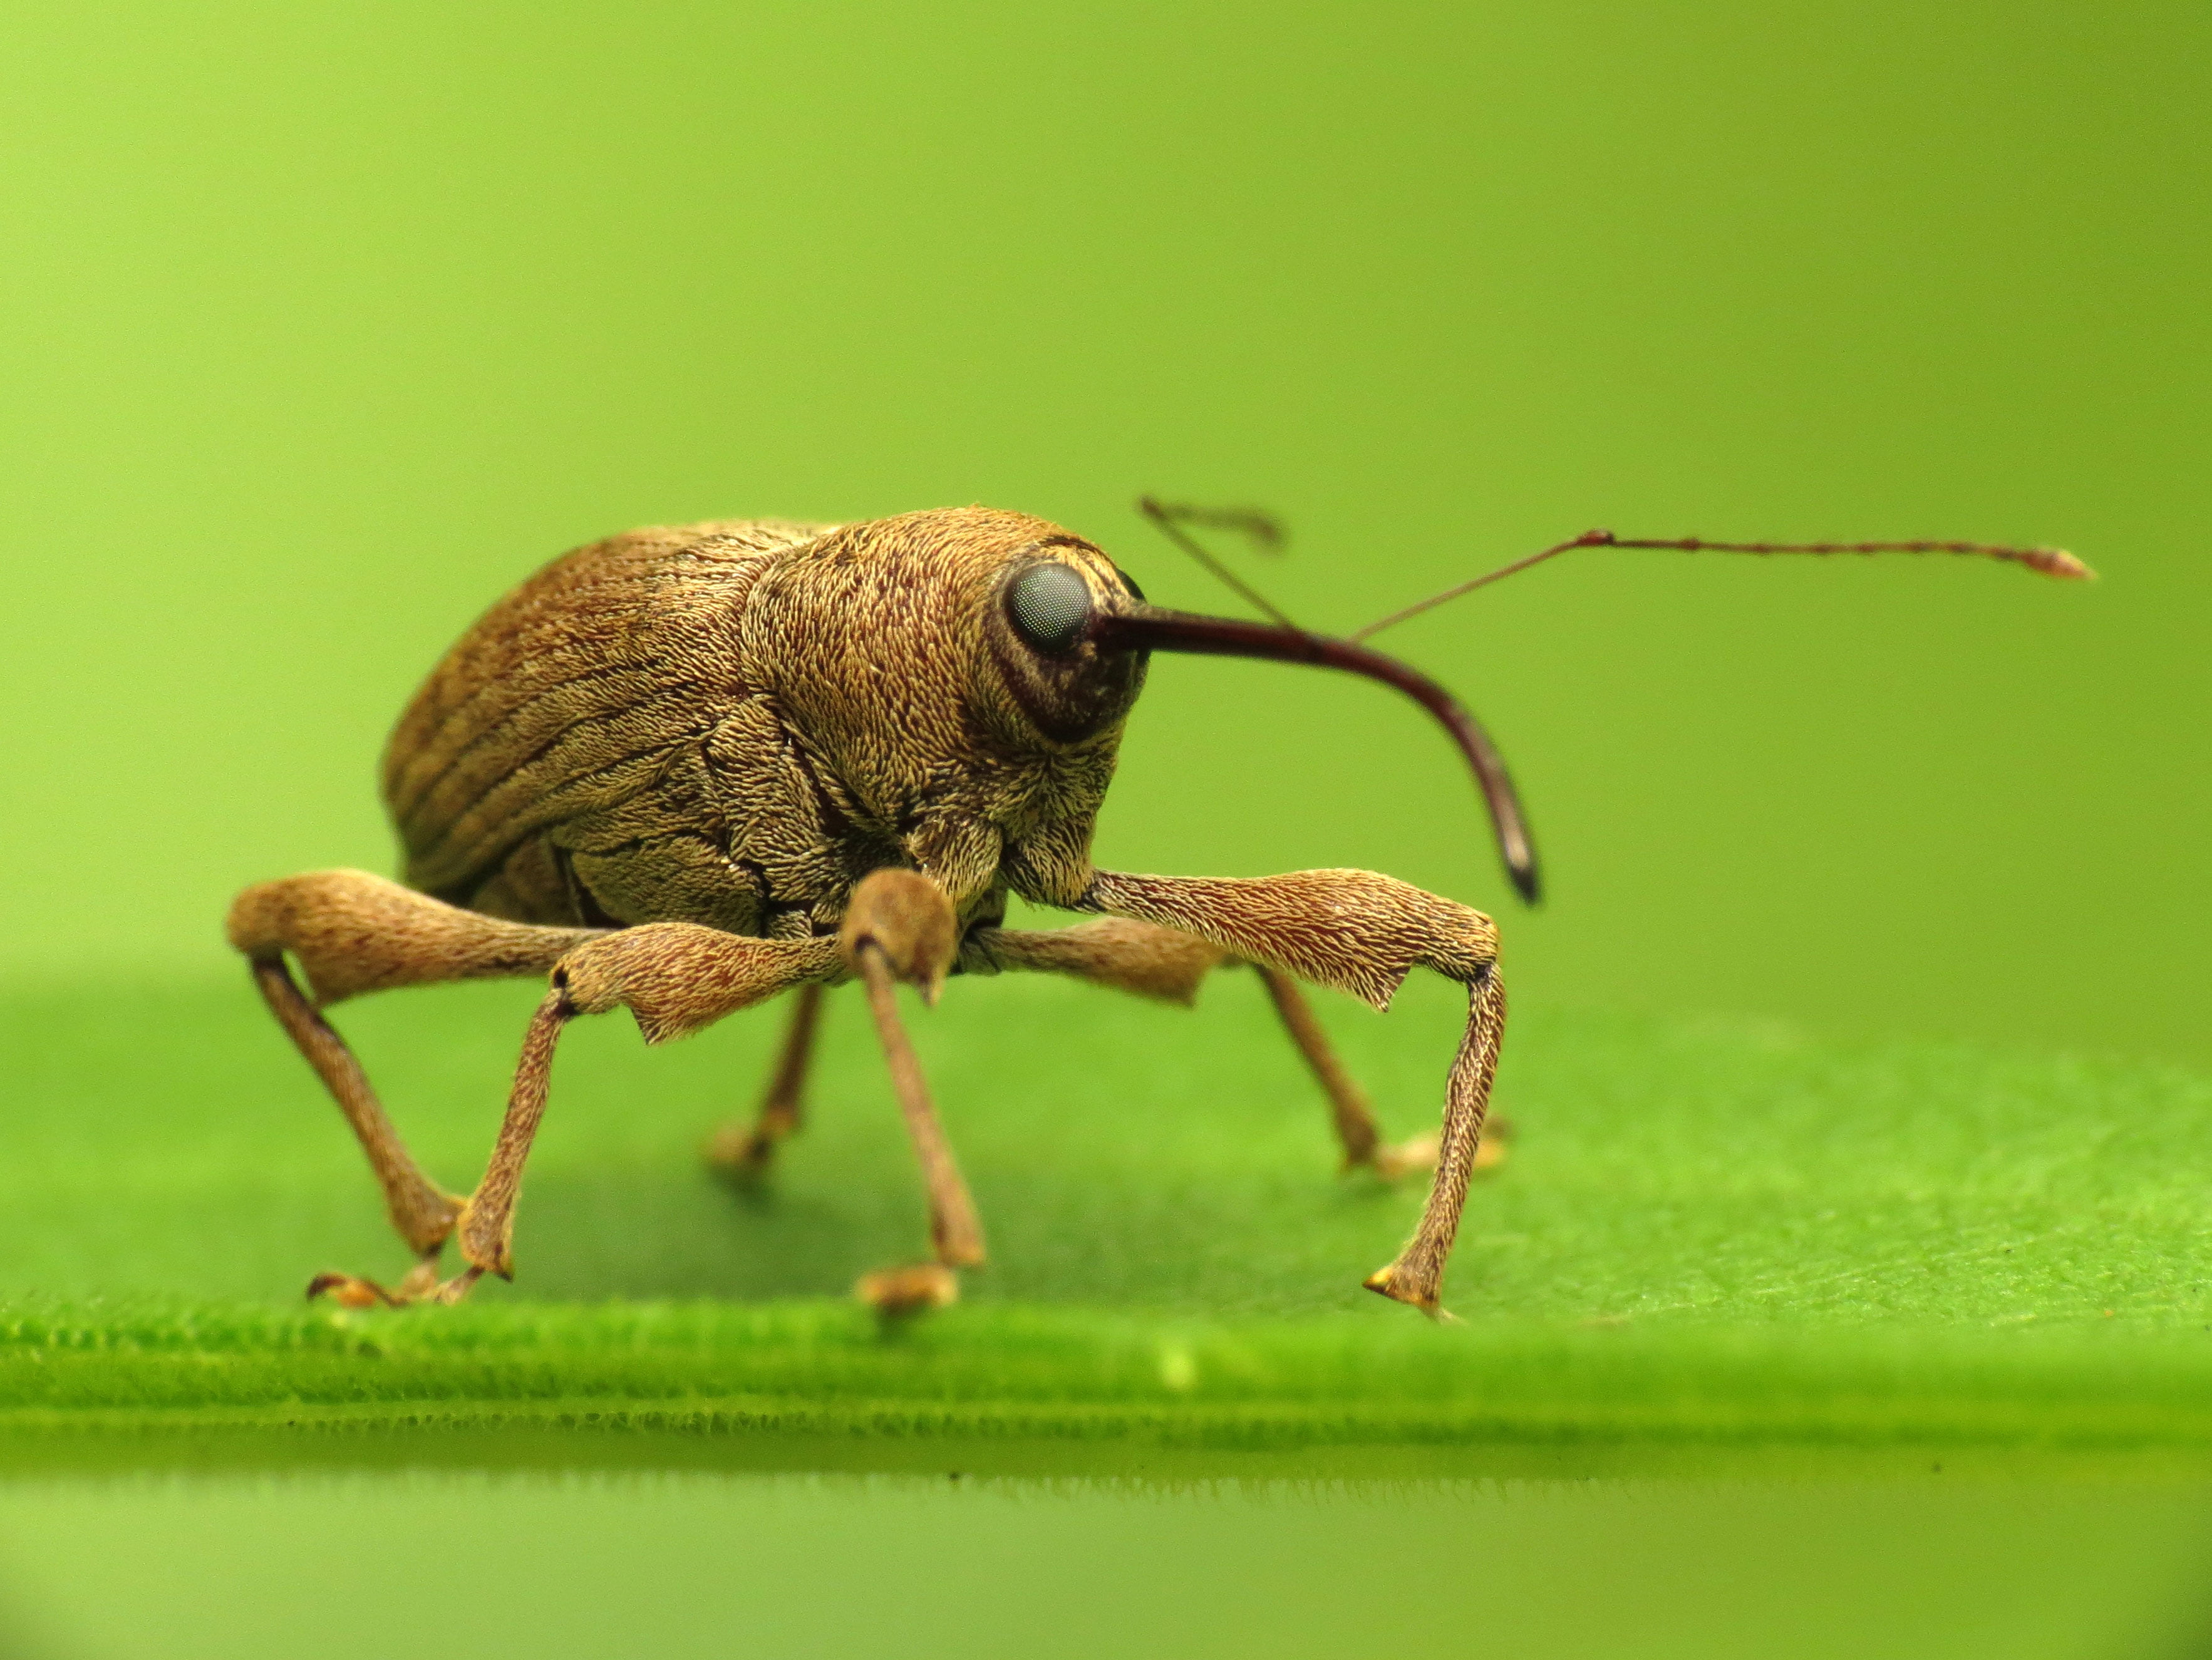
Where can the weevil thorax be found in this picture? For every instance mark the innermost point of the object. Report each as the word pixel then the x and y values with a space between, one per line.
pixel 938 663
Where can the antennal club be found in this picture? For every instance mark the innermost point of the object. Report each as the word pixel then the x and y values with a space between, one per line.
pixel 2051 561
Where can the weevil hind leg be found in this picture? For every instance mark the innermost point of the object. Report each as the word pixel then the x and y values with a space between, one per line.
pixel 422 1212
pixel 676 978
pixel 744 1153
pixel 352 933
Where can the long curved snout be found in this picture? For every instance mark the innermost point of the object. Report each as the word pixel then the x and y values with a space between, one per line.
pixel 1140 627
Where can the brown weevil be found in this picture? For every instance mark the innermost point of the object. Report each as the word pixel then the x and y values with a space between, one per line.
pixel 684 770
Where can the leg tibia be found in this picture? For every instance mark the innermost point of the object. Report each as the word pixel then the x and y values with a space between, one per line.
pixel 1350 1111
pixel 902 926
pixel 422 1212
pixel 745 1151
pixel 487 1222
pixel 1417 1276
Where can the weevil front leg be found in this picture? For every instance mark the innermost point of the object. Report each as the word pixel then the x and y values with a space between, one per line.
pixel 1351 1113
pixel 901 925
pixel 1362 933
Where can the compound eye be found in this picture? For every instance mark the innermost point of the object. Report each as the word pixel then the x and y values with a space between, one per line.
pixel 1050 607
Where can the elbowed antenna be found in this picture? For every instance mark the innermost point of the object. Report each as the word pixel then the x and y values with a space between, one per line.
pixel 1263 529
pixel 2051 561
pixel 1150 628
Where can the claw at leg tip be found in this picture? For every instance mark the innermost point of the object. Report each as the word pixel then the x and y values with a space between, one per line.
pixel 902 1293
pixel 741 1157
pixel 1384 1283
pixel 351 1291
pixel 1413 1157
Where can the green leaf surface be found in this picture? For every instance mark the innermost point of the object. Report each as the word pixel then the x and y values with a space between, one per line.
pixel 1703 1235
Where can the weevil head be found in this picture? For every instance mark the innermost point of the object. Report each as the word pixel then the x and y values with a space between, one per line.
pixel 912 651
pixel 993 657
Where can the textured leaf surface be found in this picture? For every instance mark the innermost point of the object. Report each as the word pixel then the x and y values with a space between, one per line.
pixel 1703 1233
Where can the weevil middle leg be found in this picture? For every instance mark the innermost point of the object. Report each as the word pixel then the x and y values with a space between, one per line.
pixel 743 1152
pixel 676 978
pixel 1168 965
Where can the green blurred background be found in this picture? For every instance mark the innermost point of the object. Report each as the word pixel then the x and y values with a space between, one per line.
pixel 321 326
pixel 324 324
